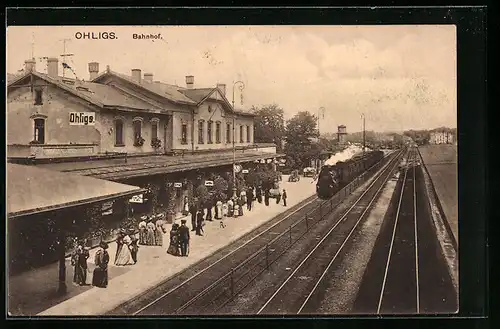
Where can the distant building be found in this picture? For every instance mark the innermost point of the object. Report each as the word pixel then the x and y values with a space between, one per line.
pixel 341 134
pixel 441 137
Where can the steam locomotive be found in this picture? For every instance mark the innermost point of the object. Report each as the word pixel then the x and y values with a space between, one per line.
pixel 332 178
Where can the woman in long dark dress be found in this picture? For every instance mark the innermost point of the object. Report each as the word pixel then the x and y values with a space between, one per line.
pixel 79 261
pixel 173 248
pixel 100 277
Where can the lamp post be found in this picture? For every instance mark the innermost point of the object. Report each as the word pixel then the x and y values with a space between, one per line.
pixel 364 140
pixel 241 86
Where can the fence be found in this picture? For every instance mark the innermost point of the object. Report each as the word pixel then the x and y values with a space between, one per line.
pixel 228 286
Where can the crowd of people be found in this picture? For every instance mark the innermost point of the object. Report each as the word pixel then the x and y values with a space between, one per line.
pixel 152 229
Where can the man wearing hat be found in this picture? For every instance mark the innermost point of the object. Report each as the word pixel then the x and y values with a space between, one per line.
pixel 100 277
pixel 184 238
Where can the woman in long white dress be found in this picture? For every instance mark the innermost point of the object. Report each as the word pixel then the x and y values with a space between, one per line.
pixel 124 256
pixel 219 209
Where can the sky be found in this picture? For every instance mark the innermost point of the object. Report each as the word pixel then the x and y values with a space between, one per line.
pixel 400 76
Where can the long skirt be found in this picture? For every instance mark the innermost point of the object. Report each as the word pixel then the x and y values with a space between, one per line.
pixel 100 277
pixel 158 237
pixel 173 248
pixel 240 211
pixel 142 235
pixel 80 276
pixel 218 212
pixel 124 257
pixel 150 237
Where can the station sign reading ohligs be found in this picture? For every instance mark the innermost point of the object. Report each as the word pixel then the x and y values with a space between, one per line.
pixel 81 118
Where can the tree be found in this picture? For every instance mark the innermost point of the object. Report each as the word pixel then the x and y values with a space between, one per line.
pixel 269 125
pixel 300 133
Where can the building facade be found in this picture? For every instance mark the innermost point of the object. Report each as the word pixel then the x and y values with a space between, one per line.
pixel 165 139
pixel 441 137
pixel 130 115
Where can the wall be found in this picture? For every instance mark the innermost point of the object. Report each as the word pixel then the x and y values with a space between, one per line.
pixel 106 124
pixel 56 106
pixel 217 114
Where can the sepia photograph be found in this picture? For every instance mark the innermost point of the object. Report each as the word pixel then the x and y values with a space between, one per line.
pixel 250 170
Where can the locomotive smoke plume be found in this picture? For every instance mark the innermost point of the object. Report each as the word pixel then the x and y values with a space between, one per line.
pixel 345 155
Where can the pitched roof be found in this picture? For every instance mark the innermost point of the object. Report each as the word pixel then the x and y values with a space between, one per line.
pixel 98 94
pixel 197 94
pixel 167 91
pixel 11 77
pixel 27 188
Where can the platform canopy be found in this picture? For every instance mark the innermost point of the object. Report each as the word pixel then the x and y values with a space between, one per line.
pixel 33 190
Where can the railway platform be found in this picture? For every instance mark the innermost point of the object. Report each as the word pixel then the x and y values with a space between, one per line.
pixel 153 267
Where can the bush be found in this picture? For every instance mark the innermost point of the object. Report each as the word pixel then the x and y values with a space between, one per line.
pixel 156 143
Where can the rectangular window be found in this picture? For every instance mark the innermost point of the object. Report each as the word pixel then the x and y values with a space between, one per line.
pixel 200 131
pixel 217 132
pixel 209 132
pixel 248 134
pixel 228 133
pixel 39 134
pixel 154 130
pixel 38 97
pixel 119 132
pixel 241 134
pixel 184 133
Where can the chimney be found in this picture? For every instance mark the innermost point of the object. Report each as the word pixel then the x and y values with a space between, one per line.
pixel 53 67
pixel 189 81
pixel 148 77
pixel 222 88
pixel 93 70
pixel 136 75
pixel 30 65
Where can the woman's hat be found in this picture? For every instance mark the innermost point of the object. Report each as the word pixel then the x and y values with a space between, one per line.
pixel 144 217
pixel 183 221
pixel 121 230
pixel 103 245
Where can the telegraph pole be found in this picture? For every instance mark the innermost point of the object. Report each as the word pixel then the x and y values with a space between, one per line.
pixel 64 55
pixel 241 87
pixel 364 139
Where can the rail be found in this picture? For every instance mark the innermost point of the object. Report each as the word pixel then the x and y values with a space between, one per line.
pixel 228 286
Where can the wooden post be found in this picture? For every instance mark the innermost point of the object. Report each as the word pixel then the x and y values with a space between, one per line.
pixel 62 289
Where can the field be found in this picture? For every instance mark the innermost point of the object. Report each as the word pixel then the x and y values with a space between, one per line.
pixel 441 162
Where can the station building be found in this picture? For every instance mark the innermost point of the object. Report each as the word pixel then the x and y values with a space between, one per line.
pixel 161 138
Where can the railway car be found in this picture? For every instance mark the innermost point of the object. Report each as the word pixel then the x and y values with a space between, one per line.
pixel 332 178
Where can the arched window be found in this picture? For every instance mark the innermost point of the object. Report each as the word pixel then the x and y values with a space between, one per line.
pixel 154 128
pixel 209 132
pixel 228 133
pixel 119 140
pixel 137 122
pixel 38 128
pixel 217 132
pixel 201 126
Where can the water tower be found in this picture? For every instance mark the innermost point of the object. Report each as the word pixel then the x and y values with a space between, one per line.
pixel 341 134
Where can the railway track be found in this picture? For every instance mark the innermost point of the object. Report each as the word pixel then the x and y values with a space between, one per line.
pixel 295 294
pixel 232 269
pixel 407 273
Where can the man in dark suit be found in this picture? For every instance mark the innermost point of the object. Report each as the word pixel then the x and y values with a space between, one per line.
pixel 193 209
pixel 184 238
